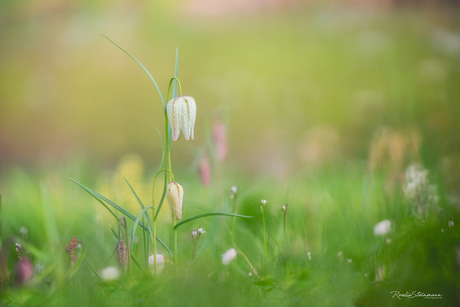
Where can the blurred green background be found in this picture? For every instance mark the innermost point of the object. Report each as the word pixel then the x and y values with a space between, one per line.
pixel 287 76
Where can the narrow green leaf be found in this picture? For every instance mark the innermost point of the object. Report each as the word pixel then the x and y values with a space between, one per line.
pixel 99 197
pixel 142 207
pixel 136 222
pixel 148 73
pixel 79 262
pixel 210 214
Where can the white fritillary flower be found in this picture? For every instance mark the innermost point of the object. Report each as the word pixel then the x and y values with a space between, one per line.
pixel 109 273
pixel 382 228
pixel 228 256
pixel 160 262
pixel 175 197
pixel 182 116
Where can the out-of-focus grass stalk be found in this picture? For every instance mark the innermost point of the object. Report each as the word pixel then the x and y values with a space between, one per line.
pixel 247 260
pixel 155 213
pixel 264 202
pixel 284 209
pixel 233 225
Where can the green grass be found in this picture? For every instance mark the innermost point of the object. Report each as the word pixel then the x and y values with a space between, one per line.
pixel 328 213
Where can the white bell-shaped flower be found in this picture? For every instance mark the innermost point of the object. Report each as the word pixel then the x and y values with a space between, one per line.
pixel 182 116
pixel 160 262
pixel 175 197
pixel 228 256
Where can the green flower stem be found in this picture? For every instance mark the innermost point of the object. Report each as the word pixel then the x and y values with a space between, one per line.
pixel 175 243
pixel 265 240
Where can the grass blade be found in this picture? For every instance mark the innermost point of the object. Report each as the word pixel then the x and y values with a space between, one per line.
pixel 142 207
pixel 148 73
pixel 99 197
pixel 136 222
pixel 211 214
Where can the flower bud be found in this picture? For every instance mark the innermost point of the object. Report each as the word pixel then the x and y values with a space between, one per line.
pixel 24 271
pixel 182 116
pixel 122 255
pixel 175 197
pixel 228 256
pixel 220 139
pixel 205 170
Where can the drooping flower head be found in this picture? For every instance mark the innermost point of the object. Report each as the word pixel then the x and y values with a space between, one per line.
pixel 175 197
pixel 182 116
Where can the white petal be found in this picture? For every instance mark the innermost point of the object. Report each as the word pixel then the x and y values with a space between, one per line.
pixel 382 228
pixel 173 110
pixel 188 116
pixel 110 273
pixel 228 256
pixel 175 197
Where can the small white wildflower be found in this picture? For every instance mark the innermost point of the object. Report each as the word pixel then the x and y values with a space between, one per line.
pixel 109 273
pixel 234 189
pixel 79 246
pixel 160 262
pixel 23 230
pixel 263 201
pixel 228 256
pixel 340 255
pixel 450 223
pixel 442 230
pixel 349 260
pixel 283 208
pixel 201 231
pixel 309 255
pixel 382 228
pixel 194 234
pixel 250 274
pixel 388 240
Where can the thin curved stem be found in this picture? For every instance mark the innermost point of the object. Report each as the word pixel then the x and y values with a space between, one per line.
pixel 247 260
pixel 169 87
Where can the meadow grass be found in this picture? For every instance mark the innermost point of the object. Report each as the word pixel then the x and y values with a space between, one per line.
pixel 333 255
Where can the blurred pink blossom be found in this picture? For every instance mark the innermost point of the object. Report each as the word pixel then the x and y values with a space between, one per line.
pixel 205 170
pixel 220 139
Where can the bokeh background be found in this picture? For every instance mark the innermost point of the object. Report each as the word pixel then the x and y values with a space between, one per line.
pixel 296 82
